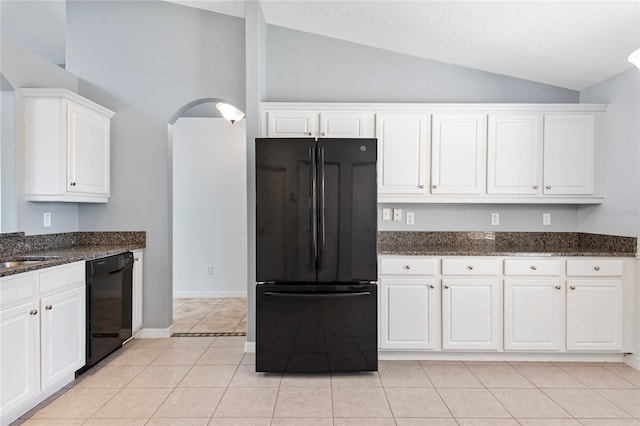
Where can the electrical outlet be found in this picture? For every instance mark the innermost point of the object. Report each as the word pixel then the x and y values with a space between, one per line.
pixel 546 218
pixel 386 214
pixel 495 218
pixel 410 218
pixel 209 269
pixel 397 215
pixel 46 220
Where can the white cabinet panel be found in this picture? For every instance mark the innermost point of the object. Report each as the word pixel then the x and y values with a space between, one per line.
pixel 532 267
pixel 458 154
pixel 344 125
pixel 471 314
pixel 594 267
pixel 137 284
pixel 407 266
pixel 62 335
pixel 402 153
pixel 409 314
pixel 594 315
pixel 534 314
pixel 470 266
pixel 291 124
pixel 569 154
pixel 514 157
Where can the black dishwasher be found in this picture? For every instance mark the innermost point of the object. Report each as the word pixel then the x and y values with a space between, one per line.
pixel 109 316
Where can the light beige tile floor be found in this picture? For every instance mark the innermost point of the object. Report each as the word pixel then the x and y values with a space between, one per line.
pixel 186 381
pixel 210 315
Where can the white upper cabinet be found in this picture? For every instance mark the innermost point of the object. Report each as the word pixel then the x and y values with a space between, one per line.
pixel 514 154
pixel 458 154
pixel 67 145
pixel 569 144
pixel 306 123
pixel 402 153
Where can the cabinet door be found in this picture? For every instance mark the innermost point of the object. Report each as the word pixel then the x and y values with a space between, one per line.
pixel 291 124
pixel 137 289
pixel 514 158
pixel 345 125
pixel 408 313
pixel 62 335
pixel 19 355
pixel 569 154
pixel 402 153
pixel 594 315
pixel 533 314
pixel 458 154
pixel 88 140
pixel 471 314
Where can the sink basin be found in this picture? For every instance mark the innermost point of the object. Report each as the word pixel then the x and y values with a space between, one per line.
pixel 14 263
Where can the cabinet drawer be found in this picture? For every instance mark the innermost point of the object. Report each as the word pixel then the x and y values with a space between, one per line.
pixel 533 267
pixel 594 267
pixel 470 266
pixel 16 289
pixel 407 266
pixel 62 276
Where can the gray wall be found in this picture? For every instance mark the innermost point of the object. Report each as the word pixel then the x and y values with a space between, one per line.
pixel 145 60
pixel 313 68
pixel 619 214
pixel 23 68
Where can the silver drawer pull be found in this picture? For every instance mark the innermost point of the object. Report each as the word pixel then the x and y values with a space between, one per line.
pixel 431 286
pixel 558 287
pixel 533 267
pixel 446 286
pixel 407 266
pixel 573 287
pixel 470 267
pixel 48 307
pixel 33 312
pixel 596 268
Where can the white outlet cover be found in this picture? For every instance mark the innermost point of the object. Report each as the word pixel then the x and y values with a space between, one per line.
pixel 495 218
pixel 386 214
pixel 410 218
pixel 397 215
pixel 546 218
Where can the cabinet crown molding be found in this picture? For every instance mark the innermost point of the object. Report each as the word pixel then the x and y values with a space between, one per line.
pixel 66 94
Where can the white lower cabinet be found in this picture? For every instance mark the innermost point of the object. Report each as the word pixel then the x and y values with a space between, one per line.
pixel 471 314
pixel 594 315
pixel 409 314
pixel 42 338
pixel 533 314
pixel 138 263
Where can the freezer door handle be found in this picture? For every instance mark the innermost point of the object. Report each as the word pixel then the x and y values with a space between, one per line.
pixel 290 294
pixel 321 208
pixel 314 206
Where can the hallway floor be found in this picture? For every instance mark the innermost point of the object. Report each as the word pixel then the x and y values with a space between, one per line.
pixel 211 316
pixel 211 381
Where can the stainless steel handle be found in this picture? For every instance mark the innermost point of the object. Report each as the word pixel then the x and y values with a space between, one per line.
pixel 470 267
pixel 407 266
pixel 535 186
pixel 314 207
pixel 446 286
pixel 596 268
pixel 548 186
pixel 573 287
pixel 33 312
pixel 533 267
pixel 321 207
pixel 48 307
pixel 558 287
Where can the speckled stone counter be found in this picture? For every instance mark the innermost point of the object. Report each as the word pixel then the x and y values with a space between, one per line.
pixel 504 244
pixel 65 247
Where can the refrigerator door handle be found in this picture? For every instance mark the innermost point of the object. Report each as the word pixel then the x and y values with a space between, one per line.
pixel 288 294
pixel 321 208
pixel 314 206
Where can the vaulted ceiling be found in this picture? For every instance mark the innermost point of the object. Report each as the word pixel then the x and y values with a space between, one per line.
pixel 571 44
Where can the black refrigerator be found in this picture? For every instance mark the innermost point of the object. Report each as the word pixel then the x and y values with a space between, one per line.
pixel 316 255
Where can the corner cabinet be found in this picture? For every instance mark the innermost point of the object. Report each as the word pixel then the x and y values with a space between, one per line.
pixel 67 147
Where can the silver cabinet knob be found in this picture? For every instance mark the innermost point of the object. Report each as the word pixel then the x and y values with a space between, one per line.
pixel 558 287
pixel 431 286
pixel 48 307
pixel 33 312
pixel 324 133
pixel 446 286
pixel 533 267
pixel 309 133
pixel 136 259
pixel 573 287
pixel 435 186
pixel 596 268
pixel 535 186
pixel 548 186
pixel 421 186
pixel 73 184
pixel 470 267
pixel 407 266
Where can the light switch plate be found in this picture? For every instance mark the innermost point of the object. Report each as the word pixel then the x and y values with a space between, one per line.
pixel 397 215
pixel 410 218
pixel 546 218
pixel 46 220
pixel 495 218
pixel 386 214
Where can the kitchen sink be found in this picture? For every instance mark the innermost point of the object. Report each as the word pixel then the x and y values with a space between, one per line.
pixel 24 260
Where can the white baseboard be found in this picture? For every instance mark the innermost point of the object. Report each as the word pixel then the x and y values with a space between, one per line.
pixel 249 347
pixel 498 356
pixel 154 333
pixel 208 294
pixel 633 360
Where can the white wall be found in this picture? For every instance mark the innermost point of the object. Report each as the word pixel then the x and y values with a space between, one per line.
pixel 209 208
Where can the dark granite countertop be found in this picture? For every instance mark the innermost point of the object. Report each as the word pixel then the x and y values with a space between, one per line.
pixel 65 248
pixel 526 244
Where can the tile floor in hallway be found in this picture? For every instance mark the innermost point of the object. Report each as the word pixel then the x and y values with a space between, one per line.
pixel 210 315
pixel 210 381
